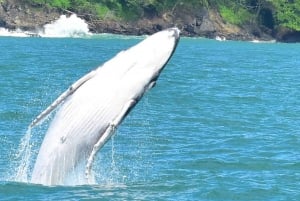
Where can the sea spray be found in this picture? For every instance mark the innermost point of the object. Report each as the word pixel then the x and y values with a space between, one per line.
pixel 24 155
pixel 72 26
pixel 14 33
pixel 63 27
pixel 27 151
pixel 114 171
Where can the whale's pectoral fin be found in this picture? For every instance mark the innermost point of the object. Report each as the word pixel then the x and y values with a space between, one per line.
pixel 62 97
pixel 106 136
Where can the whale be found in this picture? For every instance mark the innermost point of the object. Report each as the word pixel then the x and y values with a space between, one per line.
pixel 87 114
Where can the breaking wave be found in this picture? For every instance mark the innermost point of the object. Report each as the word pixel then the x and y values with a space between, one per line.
pixel 72 26
pixel 14 33
pixel 63 27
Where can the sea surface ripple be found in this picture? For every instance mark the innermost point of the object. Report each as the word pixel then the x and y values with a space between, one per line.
pixel 222 122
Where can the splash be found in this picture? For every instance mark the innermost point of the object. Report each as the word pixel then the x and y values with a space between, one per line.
pixel 24 156
pixel 14 33
pixel 72 26
pixel 63 27
pixel 27 151
pixel 220 38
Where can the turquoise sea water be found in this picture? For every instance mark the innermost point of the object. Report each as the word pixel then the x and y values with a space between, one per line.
pixel 222 122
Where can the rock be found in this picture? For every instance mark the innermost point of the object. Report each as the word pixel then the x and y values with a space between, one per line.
pixel 207 26
pixel 14 15
pixel 283 34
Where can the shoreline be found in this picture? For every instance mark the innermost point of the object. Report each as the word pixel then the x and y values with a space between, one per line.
pixel 26 34
pixel 207 24
pixel 117 28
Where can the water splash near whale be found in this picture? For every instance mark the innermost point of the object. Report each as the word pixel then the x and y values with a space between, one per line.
pixel 89 111
pixel 24 155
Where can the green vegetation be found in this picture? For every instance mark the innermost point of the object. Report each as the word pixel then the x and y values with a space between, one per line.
pixel 288 13
pixel 269 13
pixel 236 16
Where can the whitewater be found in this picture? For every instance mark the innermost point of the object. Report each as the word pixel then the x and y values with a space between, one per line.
pixel 64 26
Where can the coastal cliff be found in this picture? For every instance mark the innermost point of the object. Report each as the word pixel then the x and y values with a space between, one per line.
pixel 201 20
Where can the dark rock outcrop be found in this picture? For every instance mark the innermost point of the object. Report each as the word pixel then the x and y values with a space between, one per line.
pixel 286 35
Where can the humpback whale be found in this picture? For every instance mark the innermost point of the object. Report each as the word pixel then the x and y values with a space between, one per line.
pixel 90 110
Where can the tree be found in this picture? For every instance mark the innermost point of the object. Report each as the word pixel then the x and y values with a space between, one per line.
pixel 288 13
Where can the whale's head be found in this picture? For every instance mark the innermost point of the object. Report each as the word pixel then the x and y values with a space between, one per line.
pixel 137 68
pixel 159 48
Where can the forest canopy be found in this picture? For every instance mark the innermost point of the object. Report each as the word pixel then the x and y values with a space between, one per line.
pixel 269 13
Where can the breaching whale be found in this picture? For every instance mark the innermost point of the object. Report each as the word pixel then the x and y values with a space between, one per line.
pixel 90 110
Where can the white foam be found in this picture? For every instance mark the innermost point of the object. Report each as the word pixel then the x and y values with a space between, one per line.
pixel 24 155
pixel 14 33
pixel 220 38
pixel 63 27
pixel 72 26
pixel 263 41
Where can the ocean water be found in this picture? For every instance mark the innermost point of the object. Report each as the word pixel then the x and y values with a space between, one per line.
pixel 222 122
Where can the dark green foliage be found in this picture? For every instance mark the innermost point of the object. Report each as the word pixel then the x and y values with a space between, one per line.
pixel 288 13
pixel 237 16
pixel 53 3
pixel 268 13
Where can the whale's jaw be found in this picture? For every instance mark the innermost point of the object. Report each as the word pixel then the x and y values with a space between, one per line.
pixel 92 108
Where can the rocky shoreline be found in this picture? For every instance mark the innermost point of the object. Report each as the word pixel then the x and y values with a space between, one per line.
pixel 200 23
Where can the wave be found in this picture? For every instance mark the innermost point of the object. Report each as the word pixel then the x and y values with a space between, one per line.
pixel 72 26
pixel 13 33
pixel 263 41
pixel 63 27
